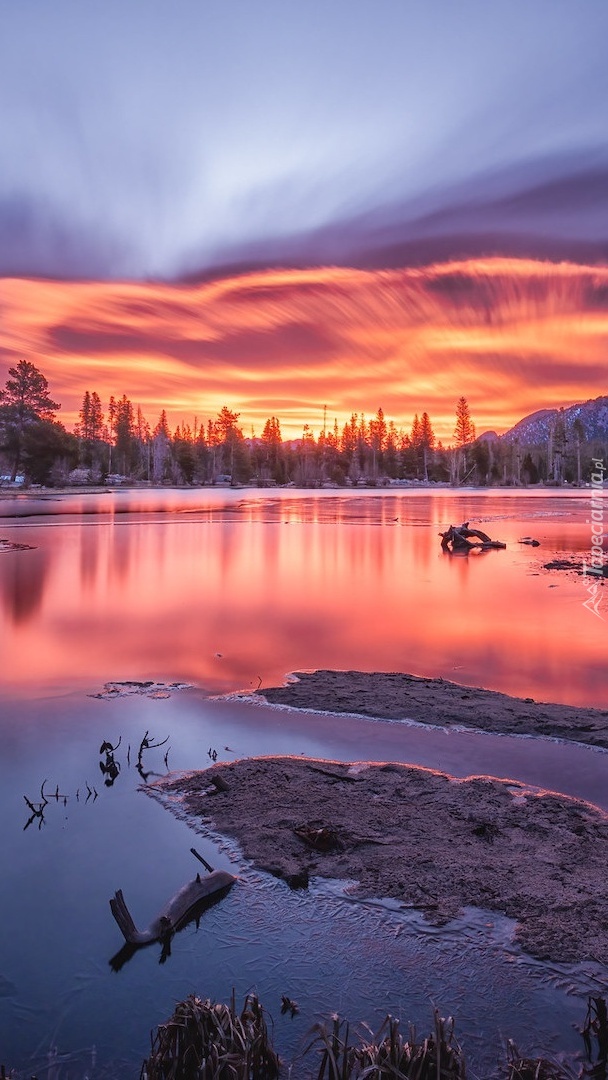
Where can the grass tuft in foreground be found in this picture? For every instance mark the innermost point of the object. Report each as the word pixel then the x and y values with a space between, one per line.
pixel 206 1041
pixel 387 1053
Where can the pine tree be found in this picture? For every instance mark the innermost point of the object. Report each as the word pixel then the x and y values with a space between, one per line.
pixel 348 441
pixel 231 438
pixel 96 417
pixel 24 402
pixel 82 426
pixel 273 464
pixel 161 439
pixel 377 431
pixel 464 432
pixel 111 425
pixel 377 442
pixel 90 418
pixel 124 428
pixel 90 431
pixel 271 434
pixel 427 441
pixel 162 427
pixel 226 424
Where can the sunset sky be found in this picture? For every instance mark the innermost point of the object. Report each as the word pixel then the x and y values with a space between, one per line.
pixel 256 203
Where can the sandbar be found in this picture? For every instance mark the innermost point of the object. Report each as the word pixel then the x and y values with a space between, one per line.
pixel 438 702
pixel 430 841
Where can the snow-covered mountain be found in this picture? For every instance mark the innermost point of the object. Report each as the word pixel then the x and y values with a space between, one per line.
pixel 534 429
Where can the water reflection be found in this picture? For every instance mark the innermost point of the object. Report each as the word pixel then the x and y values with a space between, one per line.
pixel 22 584
pixel 90 557
pixel 128 950
pixel 225 593
pixel 185 908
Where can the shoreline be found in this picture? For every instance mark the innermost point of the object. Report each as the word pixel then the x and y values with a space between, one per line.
pixel 22 491
pixel 416 835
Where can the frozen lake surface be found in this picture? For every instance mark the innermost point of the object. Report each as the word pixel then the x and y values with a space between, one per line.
pixel 224 590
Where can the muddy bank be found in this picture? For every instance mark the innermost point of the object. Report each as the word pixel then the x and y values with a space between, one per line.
pixel 433 843
pixel 438 702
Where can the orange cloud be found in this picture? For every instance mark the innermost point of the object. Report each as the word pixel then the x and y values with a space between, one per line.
pixel 511 335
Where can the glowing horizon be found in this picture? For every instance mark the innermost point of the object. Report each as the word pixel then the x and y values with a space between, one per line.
pixel 511 335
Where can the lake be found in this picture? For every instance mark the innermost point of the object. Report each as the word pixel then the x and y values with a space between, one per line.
pixel 228 590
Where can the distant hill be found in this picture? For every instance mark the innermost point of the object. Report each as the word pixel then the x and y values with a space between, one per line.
pixel 534 429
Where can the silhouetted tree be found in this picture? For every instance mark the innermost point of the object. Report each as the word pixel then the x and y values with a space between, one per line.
pixel 464 433
pixel 228 434
pixel 24 403
pixel 183 454
pixel 90 418
pixel 308 471
pixel 481 456
pixel 529 471
pixel 161 442
pixel 90 431
pixel 273 463
pixel 427 442
pixel 348 445
pixel 124 429
pixel 49 452
pixel 391 451
pixel 556 450
pixel 578 437
pixel 377 442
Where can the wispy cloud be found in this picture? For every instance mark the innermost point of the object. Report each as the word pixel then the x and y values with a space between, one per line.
pixel 511 335
pixel 143 139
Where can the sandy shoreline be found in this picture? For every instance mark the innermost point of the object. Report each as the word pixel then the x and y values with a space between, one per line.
pixel 418 835
pixel 439 703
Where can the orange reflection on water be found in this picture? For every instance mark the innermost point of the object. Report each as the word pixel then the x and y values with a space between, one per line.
pixel 223 603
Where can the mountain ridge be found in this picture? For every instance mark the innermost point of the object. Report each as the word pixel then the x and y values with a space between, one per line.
pixel 536 427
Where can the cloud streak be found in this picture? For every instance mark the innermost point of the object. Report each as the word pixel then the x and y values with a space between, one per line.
pixel 141 140
pixel 511 335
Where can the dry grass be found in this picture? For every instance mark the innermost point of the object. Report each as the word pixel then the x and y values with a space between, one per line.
pixel 206 1041
pixel 387 1054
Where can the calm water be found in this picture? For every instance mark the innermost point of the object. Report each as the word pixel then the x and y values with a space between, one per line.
pixel 223 590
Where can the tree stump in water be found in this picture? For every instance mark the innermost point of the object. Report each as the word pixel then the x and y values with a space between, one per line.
pixel 458 539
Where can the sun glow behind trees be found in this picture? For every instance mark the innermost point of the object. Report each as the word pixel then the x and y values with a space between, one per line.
pixel 121 446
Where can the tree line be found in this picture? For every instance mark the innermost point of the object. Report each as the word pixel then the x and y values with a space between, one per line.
pixel 117 444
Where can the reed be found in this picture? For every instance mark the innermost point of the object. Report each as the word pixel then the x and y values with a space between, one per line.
pixel 387 1054
pixel 207 1041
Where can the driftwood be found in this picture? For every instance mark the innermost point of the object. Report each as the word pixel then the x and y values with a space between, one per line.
pixel 176 911
pixel 322 838
pixel 219 783
pixel 186 906
pixel 458 539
